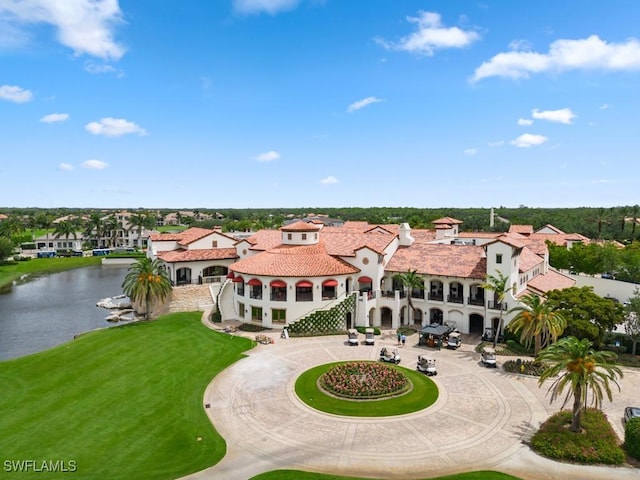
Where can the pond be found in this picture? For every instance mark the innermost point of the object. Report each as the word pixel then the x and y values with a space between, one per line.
pixel 51 309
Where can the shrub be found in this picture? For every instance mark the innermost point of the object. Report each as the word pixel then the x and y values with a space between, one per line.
pixel 518 348
pixel 632 438
pixel 376 330
pixel 597 444
pixel 364 380
pixel 250 327
pixel 526 367
pixel 216 316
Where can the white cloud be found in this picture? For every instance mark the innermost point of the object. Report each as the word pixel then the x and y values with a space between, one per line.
pixel 431 35
pixel 363 103
pixel 85 26
pixel 605 106
pixel 271 7
pixel 499 143
pixel 65 166
pixel 564 115
pixel 102 68
pixel 471 151
pixel 95 164
pixel 525 121
pixel 15 94
pixel 114 127
pixel 590 53
pixel 269 156
pixel 55 118
pixel 527 140
pixel 330 180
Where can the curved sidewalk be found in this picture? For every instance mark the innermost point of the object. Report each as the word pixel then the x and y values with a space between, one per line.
pixel 479 421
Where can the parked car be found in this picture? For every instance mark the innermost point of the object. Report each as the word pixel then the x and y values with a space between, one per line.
pixel 353 336
pixel 369 336
pixel 488 357
pixel 631 412
pixel 455 340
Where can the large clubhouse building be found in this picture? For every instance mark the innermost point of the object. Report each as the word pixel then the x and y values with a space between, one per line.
pixel 281 277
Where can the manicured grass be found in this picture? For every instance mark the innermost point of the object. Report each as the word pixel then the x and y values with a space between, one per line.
pixel 122 403
pixel 596 444
pixel 298 475
pixel 11 271
pixel 424 394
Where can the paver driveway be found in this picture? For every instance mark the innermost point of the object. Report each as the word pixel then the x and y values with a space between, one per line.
pixel 479 421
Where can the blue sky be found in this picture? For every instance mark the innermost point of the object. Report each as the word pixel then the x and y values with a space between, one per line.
pixel 319 103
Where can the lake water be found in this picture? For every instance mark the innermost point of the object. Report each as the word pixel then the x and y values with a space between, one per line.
pixel 50 310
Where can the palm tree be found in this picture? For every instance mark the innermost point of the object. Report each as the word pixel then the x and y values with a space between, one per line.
pixel 499 285
pixel 66 229
pixel 634 215
pixel 146 282
pixel 537 321
pixel 44 221
pixel 94 229
pixel 141 221
pixel 574 364
pixel 410 280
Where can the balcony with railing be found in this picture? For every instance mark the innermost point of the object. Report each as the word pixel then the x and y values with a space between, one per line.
pixel 436 296
pixel 417 293
pixel 478 301
pixel 493 305
pixel 304 296
pixel 455 299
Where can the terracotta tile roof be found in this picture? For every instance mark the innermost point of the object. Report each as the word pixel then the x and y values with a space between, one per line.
pixel 265 239
pixel 464 261
pixel 552 280
pixel 560 239
pixel 528 260
pixel 293 261
pixel 183 238
pixel 345 244
pixel 523 229
pixel 301 227
pixel 556 230
pixel 423 235
pixel 512 241
pixel 479 234
pixel 447 221
pixel 174 256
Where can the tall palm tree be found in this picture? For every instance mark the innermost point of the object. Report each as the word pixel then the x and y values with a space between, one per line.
pixel 44 221
pixel 410 280
pixel 146 282
pixel 140 221
pixel 499 285
pixel 94 228
pixel 66 229
pixel 634 215
pixel 578 367
pixel 537 321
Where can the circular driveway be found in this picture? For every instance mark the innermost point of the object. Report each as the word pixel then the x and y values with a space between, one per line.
pixel 480 420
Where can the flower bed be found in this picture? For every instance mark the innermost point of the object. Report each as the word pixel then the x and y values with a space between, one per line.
pixel 364 380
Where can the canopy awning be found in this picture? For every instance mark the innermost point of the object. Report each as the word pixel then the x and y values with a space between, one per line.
pixel 304 284
pixel 254 282
pixel 230 274
pixel 238 279
pixel 330 283
pixel 365 279
pixel 278 284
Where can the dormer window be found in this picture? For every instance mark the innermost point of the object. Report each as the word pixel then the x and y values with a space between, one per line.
pixel 499 258
pixel 214 244
pixel 304 236
pixel 289 236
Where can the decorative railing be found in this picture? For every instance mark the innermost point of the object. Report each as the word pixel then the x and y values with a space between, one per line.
pixel 493 305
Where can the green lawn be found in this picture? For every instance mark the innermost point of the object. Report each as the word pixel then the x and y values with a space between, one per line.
pixel 11 271
pixel 423 394
pixel 123 402
pixel 298 475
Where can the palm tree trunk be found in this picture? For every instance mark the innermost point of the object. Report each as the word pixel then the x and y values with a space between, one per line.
pixel 577 409
pixel 495 338
pixel 537 344
pixel 147 308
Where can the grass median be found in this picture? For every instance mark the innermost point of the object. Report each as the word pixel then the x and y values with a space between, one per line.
pixel 123 402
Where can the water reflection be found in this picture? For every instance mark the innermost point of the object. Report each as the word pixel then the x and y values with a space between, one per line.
pixel 50 310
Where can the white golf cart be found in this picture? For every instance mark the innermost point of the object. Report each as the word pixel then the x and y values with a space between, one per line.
pixel 369 336
pixel 427 365
pixel 352 333
pixel 488 357
pixel 391 355
pixel 454 341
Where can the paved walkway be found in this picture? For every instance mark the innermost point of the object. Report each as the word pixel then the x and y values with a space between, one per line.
pixel 479 421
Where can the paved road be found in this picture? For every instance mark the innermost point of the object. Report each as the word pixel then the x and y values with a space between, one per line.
pixel 479 421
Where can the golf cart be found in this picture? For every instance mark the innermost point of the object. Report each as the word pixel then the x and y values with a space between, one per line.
pixel 387 354
pixel 369 336
pixel 488 357
pixel 455 340
pixel 427 365
pixel 489 335
pixel 353 336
